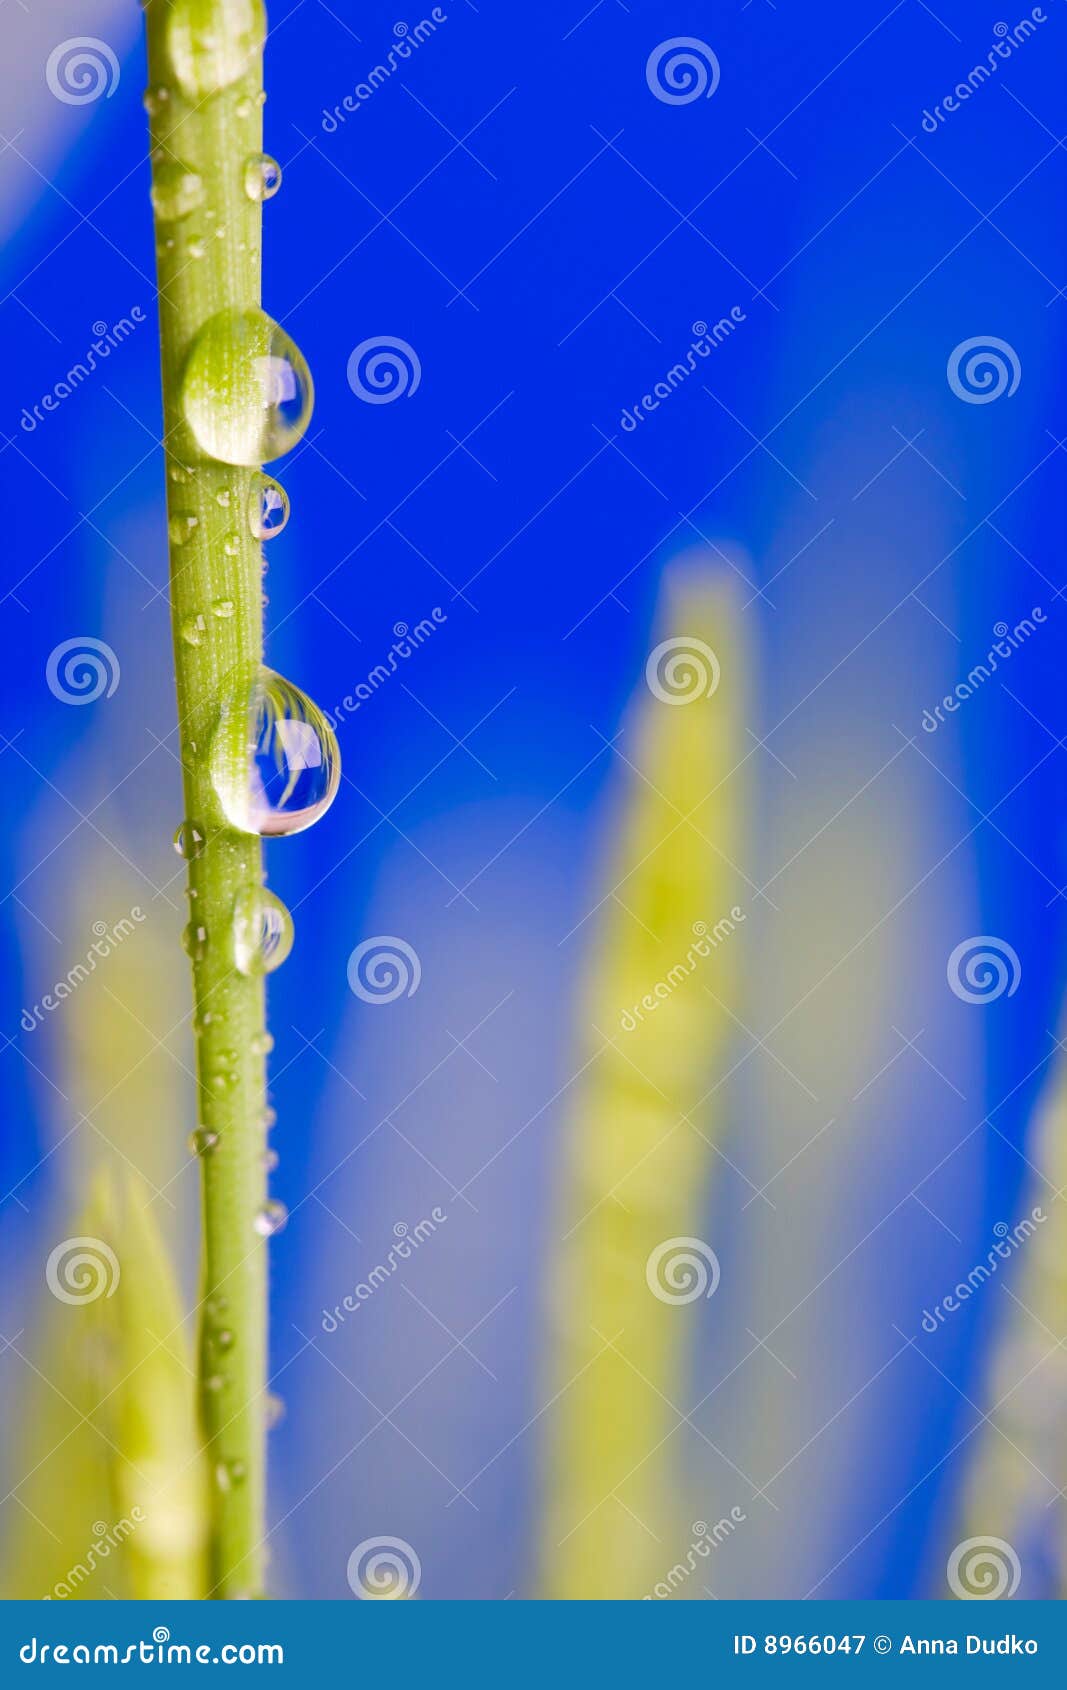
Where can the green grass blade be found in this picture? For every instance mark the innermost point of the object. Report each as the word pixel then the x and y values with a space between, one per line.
pixel 642 1129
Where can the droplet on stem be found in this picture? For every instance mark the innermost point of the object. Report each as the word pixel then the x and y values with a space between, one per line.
pixel 274 761
pixel 262 931
pixel 247 393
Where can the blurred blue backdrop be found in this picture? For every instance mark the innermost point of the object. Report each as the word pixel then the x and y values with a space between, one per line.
pixel 517 205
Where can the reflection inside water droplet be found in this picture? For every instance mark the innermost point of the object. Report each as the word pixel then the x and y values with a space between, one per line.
pixel 262 176
pixel 262 932
pixel 268 508
pixel 246 390
pixel 271 1218
pixel 274 764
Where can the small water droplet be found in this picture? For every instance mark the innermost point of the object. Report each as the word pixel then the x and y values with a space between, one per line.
pixel 176 191
pixel 273 1410
pixel 231 545
pixel 268 508
pixel 222 497
pixel 274 761
pixel 271 1218
pixel 182 526
pixel 179 472
pixel 246 391
pixel 261 1044
pixel 223 608
pixel 262 176
pixel 214 1382
pixel 202 1142
pixel 194 941
pixel 269 1159
pixel 211 43
pixel 189 840
pixel 228 1474
pixel 217 1305
pixel 222 1081
pixel 155 99
pixel 223 1338
pixel 270 1118
pixel 193 630
pixel 195 248
pixel 262 931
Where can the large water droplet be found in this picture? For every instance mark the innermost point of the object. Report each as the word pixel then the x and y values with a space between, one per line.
pixel 176 191
pixel 268 508
pixel 271 1218
pixel 274 762
pixel 262 931
pixel 262 176
pixel 211 42
pixel 246 391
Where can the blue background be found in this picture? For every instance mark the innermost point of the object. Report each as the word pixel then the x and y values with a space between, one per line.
pixel 517 206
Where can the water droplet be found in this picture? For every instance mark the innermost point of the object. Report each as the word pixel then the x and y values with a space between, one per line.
pixel 262 177
pixel 217 1305
pixel 214 1382
pixel 189 840
pixel 195 248
pixel 179 472
pixel 176 191
pixel 223 608
pixel 246 391
pixel 222 497
pixel 228 1474
pixel 223 1338
pixel 193 630
pixel 269 1160
pixel 231 545
pixel 155 99
pixel 201 1023
pixel 261 1044
pixel 202 1142
pixel 182 526
pixel 271 1218
pixel 274 761
pixel 270 1118
pixel 268 508
pixel 262 931
pixel 222 1081
pixel 273 1410
pixel 194 941
pixel 210 43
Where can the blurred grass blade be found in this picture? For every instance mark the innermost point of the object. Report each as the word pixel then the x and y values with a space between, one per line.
pixel 107 1467
pixel 642 1127
pixel 1021 1458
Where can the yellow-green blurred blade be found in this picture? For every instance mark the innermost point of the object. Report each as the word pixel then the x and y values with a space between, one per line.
pixel 642 1127
pixel 109 1476
pixel 1021 1456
